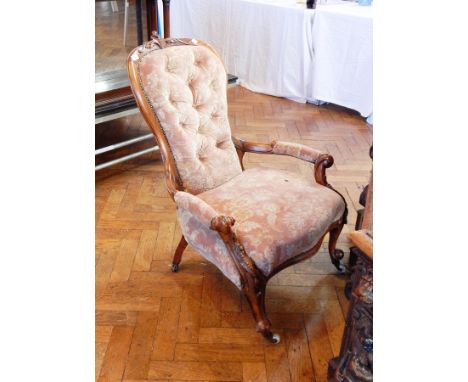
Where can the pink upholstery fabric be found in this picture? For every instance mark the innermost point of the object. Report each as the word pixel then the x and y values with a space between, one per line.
pixel 186 86
pixel 278 215
pixel 194 217
pixel 196 206
pixel 296 150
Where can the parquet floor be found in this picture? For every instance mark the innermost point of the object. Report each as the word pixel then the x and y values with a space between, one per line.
pixel 194 325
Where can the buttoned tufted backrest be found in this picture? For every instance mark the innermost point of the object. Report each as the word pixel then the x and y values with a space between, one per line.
pixel 186 88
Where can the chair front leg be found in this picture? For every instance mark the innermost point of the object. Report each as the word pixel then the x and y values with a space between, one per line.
pixel 336 255
pixel 254 290
pixel 253 282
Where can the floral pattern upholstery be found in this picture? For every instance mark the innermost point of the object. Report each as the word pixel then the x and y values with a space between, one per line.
pixel 194 217
pixel 186 86
pixel 278 215
pixel 296 150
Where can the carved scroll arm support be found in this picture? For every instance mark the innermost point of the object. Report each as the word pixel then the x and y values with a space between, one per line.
pixel 320 160
pixel 210 218
pixel 251 277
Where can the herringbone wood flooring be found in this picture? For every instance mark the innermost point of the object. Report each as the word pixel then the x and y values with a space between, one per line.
pixel 194 325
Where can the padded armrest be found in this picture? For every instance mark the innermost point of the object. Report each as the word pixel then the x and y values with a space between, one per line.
pixel 321 161
pixel 296 150
pixel 196 206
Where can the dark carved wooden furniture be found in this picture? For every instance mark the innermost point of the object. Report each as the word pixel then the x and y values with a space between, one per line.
pixel 178 86
pixel 360 213
pixel 355 362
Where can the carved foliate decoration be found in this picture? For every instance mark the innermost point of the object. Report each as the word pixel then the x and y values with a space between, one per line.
pixel 157 42
pixel 355 362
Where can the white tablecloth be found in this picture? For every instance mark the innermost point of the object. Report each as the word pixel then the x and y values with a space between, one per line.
pixel 342 56
pixel 279 47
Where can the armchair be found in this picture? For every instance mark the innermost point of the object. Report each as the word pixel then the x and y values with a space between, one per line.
pixel 250 223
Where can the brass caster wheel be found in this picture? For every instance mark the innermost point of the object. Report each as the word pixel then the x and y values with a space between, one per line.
pixel 340 267
pixel 272 337
pixel 275 339
pixel 175 268
pixel 337 261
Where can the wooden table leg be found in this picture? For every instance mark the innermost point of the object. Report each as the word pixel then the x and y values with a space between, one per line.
pixel 167 17
pixel 139 22
pixel 151 17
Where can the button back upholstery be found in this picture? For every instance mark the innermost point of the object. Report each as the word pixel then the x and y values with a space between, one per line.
pixel 186 86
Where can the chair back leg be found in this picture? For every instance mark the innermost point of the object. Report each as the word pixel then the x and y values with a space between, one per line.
pixel 178 254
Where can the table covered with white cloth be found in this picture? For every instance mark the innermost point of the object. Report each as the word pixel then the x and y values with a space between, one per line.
pixel 279 47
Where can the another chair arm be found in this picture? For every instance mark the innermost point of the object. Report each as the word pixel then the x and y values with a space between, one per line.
pixel 296 150
pixel 321 161
pixel 363 239
pixel 252 147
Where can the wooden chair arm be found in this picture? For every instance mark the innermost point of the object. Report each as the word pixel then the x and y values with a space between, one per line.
pixel 252 147
pixel 244 264
pixel 363 240
pixel 320 160
pixel 296 150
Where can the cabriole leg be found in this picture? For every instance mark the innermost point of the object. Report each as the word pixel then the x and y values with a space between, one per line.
pixel 336 255
pixel 256 299
pixel 178 254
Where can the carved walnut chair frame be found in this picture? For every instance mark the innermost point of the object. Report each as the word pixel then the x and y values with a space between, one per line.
pixel 253 281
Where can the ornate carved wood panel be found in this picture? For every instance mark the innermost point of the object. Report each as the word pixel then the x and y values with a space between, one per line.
pixel 354 363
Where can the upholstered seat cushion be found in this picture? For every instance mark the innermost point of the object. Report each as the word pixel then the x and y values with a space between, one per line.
pixel 278 215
